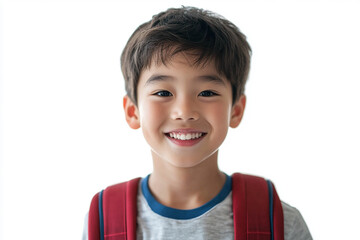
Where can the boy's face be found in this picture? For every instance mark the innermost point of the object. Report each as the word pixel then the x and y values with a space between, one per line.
pixel 184 111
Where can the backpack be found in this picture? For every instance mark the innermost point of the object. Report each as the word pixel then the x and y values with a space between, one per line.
pixel 257 211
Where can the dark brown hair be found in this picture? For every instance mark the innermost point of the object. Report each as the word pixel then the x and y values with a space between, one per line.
pixel 191 30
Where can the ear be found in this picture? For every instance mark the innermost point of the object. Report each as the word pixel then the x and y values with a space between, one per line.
pixel 131 113
pixel 237 111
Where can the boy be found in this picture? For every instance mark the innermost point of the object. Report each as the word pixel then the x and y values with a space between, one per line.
pixel 185 72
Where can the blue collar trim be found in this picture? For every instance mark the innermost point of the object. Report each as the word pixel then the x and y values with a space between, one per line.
pixel 180 214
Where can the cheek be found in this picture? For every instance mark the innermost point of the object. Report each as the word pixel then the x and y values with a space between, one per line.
pixel 219 117
pixel 151 114
pixel 221 114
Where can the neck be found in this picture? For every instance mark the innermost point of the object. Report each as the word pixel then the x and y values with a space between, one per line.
pixel 186 187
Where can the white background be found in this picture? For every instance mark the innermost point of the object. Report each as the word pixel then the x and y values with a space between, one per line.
pixel 63 131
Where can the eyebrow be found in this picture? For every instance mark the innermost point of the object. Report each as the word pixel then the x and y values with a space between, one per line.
pixel 157 78
pixel 204 78
pixel 212 78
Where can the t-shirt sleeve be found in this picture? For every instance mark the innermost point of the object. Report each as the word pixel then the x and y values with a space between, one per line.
pixel 85 230
pixel 295 227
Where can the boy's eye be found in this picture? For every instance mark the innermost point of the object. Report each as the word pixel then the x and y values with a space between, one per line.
pixel 163 93
pixel 208 93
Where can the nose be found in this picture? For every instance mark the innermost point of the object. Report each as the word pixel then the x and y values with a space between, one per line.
pixel 184 109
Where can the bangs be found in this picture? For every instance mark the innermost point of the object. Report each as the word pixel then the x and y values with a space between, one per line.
pixel 195 57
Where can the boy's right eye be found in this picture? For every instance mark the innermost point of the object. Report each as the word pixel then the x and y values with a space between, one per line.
pixel 163 93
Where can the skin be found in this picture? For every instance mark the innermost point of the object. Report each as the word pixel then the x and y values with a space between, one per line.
pixel 179 98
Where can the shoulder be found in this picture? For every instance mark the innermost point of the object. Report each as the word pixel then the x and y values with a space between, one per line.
pixel 294 224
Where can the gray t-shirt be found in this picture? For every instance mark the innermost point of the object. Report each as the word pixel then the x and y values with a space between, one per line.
pixel 212 221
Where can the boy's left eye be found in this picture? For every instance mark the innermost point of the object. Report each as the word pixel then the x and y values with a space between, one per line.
pixel 207 93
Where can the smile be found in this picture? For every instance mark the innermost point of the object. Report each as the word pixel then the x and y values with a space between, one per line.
pixel 185 136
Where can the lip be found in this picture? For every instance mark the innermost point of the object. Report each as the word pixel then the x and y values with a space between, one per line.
pixel 185 130
pixel 186 142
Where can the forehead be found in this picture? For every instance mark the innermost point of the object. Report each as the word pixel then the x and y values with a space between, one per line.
pixel 181 66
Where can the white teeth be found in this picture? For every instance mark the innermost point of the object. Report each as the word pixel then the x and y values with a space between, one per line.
pixel 187 136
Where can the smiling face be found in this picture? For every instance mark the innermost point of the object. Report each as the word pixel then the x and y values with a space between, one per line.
pixel 184 111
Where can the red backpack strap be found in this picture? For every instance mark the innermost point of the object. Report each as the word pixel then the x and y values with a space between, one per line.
pixel 278 217
pixel 251 208
pixel 116 212
pixel 93 222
